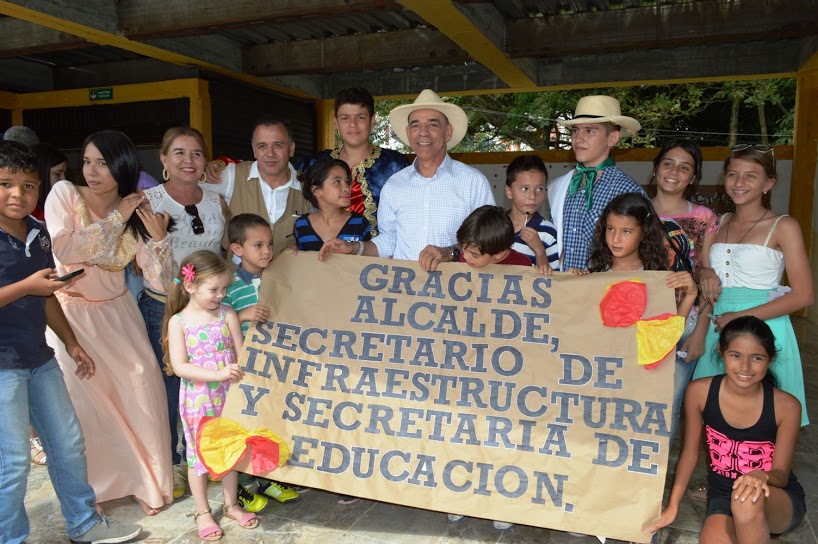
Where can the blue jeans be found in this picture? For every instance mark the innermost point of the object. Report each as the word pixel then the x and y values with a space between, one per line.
pixel 134 283
pixel 38 397
pixel 681 377
pixel 153 311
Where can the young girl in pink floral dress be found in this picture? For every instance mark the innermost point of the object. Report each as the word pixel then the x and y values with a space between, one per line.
pixel 201 337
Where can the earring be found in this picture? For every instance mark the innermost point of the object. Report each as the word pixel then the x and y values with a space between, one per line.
pixel 765 192
pixel 165 175
pixel 203 178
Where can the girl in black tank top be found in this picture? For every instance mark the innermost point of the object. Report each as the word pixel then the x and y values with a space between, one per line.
pixel 750 428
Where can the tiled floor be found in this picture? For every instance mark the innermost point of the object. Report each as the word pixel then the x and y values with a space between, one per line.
pixel 318 519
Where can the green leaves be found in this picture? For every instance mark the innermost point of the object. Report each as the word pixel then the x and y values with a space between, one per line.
pixel 711 113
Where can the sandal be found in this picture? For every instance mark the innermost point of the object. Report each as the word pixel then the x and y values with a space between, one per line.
pixel 36 450
pixel 246 520
pixel 211 533
pixel 698 493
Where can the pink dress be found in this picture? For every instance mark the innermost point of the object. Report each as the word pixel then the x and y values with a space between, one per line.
pixel 122 409
pixel 208 346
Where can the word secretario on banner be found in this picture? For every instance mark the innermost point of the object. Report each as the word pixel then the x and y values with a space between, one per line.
pixel 445 361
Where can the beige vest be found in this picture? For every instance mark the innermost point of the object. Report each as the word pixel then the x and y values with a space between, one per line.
pixel 247 198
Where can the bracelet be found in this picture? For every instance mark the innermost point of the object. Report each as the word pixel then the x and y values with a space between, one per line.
pixel 220 163
pixel 360 248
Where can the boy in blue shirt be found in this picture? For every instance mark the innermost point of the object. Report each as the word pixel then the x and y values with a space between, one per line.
pixel 32 390
pixel 251 240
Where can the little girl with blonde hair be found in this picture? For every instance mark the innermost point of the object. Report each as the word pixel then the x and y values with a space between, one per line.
pixel 201 337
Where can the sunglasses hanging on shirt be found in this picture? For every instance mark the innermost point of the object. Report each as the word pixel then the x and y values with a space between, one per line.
pixel 195 223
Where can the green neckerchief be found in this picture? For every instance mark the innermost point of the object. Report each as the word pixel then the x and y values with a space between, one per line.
pixel 589 174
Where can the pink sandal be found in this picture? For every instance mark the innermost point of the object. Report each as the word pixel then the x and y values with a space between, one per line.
pixel 211 533
pixel 246 520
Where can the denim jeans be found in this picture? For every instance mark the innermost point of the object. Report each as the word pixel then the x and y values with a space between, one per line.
pixel 681 377
pixel 134 283
pixel 153 311
pixel 38 397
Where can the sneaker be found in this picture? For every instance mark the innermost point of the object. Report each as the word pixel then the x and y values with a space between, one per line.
pixel 456 517
pixel 179 481
pixel 347 499
pixel 109 531
pixel 251 502
pixel 280 492
pixel 300 489
pixel 502 525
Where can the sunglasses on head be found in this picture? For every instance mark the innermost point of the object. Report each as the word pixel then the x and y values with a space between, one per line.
pixel 761 148
pixel 196 222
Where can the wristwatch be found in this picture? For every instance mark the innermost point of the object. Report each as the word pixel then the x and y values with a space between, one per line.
pixel 455 254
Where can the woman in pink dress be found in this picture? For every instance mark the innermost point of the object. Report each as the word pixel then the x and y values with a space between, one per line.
pixel 122 409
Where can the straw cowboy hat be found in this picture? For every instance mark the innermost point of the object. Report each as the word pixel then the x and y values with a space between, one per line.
pixel 428 99
pixel 602 109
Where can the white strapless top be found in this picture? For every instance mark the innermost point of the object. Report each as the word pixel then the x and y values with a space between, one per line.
pixel 754 266
pixel 747 265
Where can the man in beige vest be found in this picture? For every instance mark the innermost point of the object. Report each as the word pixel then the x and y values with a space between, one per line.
pixel 268 186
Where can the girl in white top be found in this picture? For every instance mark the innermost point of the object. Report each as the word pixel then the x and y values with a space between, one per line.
pixel 746 260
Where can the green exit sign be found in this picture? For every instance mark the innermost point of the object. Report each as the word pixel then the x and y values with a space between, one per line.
pixel 105 93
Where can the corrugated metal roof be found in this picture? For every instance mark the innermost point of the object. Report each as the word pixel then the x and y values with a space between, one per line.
pixel 376 21
pixel 522 9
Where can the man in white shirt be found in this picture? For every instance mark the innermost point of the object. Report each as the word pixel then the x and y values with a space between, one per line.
pixel 423 205
pixel 269 186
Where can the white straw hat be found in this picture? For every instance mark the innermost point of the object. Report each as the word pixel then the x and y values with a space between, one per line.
pixel 428 99
pixel 602 109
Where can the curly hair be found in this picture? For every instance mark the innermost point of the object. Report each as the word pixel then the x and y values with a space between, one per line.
pixel 652 250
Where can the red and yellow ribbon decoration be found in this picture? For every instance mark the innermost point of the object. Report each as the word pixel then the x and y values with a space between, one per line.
pixel 221 443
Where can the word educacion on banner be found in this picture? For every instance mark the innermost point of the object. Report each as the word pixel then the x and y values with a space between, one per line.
pixel 465 385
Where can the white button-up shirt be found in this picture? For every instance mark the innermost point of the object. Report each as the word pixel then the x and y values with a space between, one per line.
pixel 275 200
pixel 415 211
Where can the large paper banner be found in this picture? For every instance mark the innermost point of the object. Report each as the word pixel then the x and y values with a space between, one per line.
pixel 493 392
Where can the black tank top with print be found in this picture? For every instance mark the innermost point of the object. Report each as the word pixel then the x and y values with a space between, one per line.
pixel 733 451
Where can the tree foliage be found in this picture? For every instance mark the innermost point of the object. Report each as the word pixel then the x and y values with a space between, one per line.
pixel 711 113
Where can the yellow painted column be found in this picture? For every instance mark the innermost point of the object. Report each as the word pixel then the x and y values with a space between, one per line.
pixel 200 113
pixel 805 164
pixel 11 101
pixel 325 124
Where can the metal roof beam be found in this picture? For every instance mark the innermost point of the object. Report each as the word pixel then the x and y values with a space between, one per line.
pixel 18 38
pixel 50 14
pixel 473 35
pixel 366 51
pixel 665 25
pixel 166 18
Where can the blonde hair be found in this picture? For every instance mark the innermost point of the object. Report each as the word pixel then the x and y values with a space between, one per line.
pixel 206 264
pixel 172 133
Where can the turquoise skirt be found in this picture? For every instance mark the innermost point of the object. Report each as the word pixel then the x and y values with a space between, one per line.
pixel 787 365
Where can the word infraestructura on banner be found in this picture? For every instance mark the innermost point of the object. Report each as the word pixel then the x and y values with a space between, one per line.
pixel 495 392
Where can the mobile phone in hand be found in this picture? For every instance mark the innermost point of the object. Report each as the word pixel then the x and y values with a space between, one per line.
pixel 70 275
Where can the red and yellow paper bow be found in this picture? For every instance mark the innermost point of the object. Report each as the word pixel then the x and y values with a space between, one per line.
pixel 623 304
pixel 221 443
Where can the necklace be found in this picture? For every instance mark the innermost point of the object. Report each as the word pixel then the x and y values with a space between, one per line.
pixel 727 233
